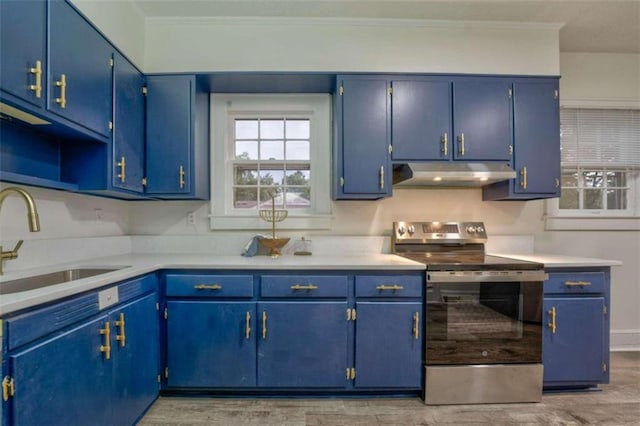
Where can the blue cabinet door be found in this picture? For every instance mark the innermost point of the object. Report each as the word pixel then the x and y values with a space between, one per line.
pixel 127 162
pixel 574 353
pixel 302 344
pixel 482 119
pixel 65 380
pixel 211 344
pixel 136 358
pixel 170 107
pixel 80 72
pixel 536 118
pixel 389 345
pixel 23 43
pixel 363 138
pixel 421 120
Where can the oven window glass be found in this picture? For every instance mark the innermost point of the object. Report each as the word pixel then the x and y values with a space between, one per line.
pixel 484 323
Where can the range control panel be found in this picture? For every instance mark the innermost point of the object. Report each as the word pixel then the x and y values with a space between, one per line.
pixel 439 232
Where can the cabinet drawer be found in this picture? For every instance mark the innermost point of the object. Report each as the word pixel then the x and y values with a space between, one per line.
pixel 303 286
pixel 575 282
pixel 210 285
pixel 388 286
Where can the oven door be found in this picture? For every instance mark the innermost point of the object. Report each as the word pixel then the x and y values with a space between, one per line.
pixel 484 317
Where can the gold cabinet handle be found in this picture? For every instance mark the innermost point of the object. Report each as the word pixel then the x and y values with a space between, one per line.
pixel 461 144
pixel 120 324
pixel 247 326
pixel 389 287
pixel 264 324
pixel 8 388
pixel 106 348
pixel 445 144
pixel 37 71
pixel 416 322
pixel 577 283
pixel 123 169
pixel 523 178
pixel 304 287
pixel 552 324
pixel 208 287
pixel 62 84
pixel 181 177
pixel 381 177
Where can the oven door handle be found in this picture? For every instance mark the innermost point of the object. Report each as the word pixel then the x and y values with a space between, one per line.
pixel 486 276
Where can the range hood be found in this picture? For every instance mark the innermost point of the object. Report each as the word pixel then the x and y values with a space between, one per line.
pixel 450 174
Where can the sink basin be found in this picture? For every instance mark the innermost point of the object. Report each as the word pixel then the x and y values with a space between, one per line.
pixel 53 278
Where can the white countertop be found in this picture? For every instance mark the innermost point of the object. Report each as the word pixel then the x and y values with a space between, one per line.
pixel 138 264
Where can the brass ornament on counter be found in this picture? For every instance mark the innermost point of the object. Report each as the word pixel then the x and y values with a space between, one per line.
pixel 272 216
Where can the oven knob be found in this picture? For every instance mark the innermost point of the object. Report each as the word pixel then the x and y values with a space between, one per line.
pixel 401 230
pixel 411 229
pixel 471 229
pixel 480 230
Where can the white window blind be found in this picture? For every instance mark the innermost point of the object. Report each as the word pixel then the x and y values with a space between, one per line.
pixel 600 138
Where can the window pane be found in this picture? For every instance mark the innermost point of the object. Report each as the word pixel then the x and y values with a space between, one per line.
pixel 616 199
pixel 271 177
pixel 593 199
pixel 273 193
pixel 247 150
pixel 298 177
pixel 245 198
pixel 271 129
pixel 297 150
pixel 245 175
pixel 569 178
pixel 592 179
pixel 616 179
pixel 272 150
pixel 297 129
pixel 569 199
pixel 246 129
pixel 298 198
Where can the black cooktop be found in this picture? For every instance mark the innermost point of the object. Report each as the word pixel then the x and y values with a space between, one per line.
pixel 469 261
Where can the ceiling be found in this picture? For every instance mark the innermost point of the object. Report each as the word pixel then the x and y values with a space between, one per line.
pixel 589 25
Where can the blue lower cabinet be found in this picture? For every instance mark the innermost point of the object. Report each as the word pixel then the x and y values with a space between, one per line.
pixel 388 345
pixel 65 380
pixel 211 344
pixel 302 344
pixel 574 350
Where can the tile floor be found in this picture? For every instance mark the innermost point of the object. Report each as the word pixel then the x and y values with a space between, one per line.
pixel 617 404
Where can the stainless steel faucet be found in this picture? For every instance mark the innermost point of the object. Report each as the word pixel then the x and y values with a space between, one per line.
pixel 32 220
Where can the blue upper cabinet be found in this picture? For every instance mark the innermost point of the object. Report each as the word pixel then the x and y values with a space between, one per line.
pixel 80 70
pixel 421 120
pixel 361 158
pixel 177 150
pixel 536 142
pixel 482 119
pixel 23 64
pixel 127 163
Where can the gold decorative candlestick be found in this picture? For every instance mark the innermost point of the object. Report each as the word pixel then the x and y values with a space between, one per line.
pixel 272 216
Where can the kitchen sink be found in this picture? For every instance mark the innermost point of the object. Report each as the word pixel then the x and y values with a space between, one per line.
pixel 53 278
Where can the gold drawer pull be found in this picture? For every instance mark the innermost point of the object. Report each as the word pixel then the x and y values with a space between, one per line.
pixel 208 287
pixel 389 287
pixel 264 324
pixel 445 144
pixel 577 283
pixel 106 348
pixel 304 287
pixel 523 178
pixel 62 84
pixel 123 169
pixel 181 177
pixel 552 324
pixel 37 71
pixel 247 327
pixel 461 144
pixel 416 321
pixel 121 337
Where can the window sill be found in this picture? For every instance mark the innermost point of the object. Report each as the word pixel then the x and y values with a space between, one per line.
pixel 292 222
pixel 558 223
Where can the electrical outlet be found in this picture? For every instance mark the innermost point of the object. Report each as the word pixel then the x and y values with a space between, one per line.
pixel 191 218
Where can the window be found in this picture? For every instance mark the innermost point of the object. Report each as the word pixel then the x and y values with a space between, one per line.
pixel 270 150
pixel 600 165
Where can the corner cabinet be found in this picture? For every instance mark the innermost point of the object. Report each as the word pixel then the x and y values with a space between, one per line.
pixel 362 140
pixel 76 362
pixel 177 138
pixel 576 334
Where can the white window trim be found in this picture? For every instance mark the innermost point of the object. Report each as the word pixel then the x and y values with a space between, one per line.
pixel 223 215
pixel 556 220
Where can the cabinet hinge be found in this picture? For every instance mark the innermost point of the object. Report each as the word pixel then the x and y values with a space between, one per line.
pixel 111 62
pixel 557 183
pixel 390 148
pixel 8 388
pixel 166 372
pixel 111 125
pixel 390 91
pixel 604 367
pixel 510 149
pixel 159 378
pixel 510 93
pixel 144 90
pixel 341 181
pixel 555 94
pixel 604 310
pixel 341 90
pixel 158 306
pixel 166 313
pixel 144 181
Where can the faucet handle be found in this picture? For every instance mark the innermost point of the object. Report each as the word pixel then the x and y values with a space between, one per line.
pixel 12 254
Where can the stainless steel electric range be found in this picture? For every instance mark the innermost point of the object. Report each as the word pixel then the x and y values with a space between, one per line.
pixel 483 331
